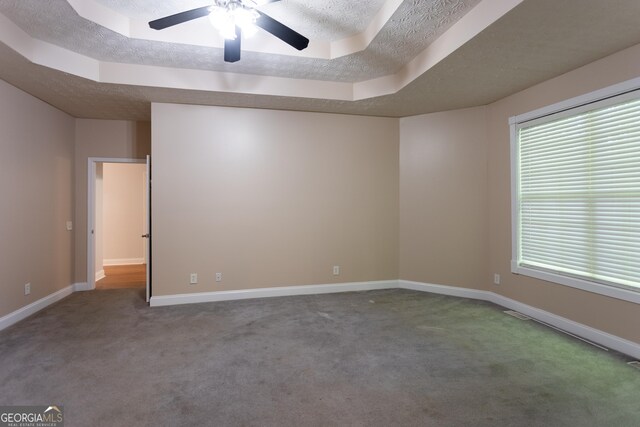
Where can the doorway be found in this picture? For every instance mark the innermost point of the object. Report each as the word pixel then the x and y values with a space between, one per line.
pixel 118 254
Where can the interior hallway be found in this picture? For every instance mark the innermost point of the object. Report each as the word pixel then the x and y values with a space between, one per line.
pixel 123 277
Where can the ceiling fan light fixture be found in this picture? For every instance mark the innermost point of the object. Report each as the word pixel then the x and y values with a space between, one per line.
pixel 246 18
pixel 223 22
pixel 225 19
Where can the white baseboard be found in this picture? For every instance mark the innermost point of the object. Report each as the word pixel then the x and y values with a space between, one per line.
pixel 595 335
pixel 453 291
pixel 157 301
pixel 100 275
pixel 34 307
pixel 587 332
pixel 122 261
pixel 82 286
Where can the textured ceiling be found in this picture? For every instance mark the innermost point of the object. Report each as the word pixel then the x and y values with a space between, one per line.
pixel 535 41
pixel 414 25
pixel 324 20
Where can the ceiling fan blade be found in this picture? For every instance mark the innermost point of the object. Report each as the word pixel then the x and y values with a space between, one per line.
pixel 281 31
pixel 179 18
pixel 232 47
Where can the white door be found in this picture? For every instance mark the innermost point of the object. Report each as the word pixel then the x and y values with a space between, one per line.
pixel 147 234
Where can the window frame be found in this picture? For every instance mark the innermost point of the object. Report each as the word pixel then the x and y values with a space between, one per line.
pixel 608 96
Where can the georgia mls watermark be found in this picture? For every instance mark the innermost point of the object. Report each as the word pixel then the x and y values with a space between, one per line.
pixel 32 416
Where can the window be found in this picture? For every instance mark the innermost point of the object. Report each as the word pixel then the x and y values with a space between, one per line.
pixel 576 196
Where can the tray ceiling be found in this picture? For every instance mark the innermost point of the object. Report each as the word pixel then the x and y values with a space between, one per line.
pixel 97 58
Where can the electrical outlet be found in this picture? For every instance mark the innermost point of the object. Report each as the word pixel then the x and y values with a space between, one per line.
pixel 193 279
pixel 218 277
pixel 69 225
pixel 496 279
pixel 27 288
pixel 336 270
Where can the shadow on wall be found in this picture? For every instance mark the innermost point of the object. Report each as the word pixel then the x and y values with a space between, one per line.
pixel 141 139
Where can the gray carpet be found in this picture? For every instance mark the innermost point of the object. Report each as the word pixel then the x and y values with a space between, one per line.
pixel 380 358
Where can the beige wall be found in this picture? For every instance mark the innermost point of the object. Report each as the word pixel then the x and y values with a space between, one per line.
pixel 455 199
pixel 443 198
pixel 604 313
pixel 123 213
pixel 101 138
pixel 271 198
pixel 36 184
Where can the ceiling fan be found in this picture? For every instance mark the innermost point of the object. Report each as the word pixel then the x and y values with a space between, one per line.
pixel 233 17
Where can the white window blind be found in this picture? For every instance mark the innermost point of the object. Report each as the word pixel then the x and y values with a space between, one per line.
pixel 578 193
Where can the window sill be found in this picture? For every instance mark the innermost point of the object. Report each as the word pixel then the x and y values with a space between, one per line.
pixel 585 285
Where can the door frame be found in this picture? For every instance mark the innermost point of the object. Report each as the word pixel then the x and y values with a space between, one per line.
pixel 91 214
